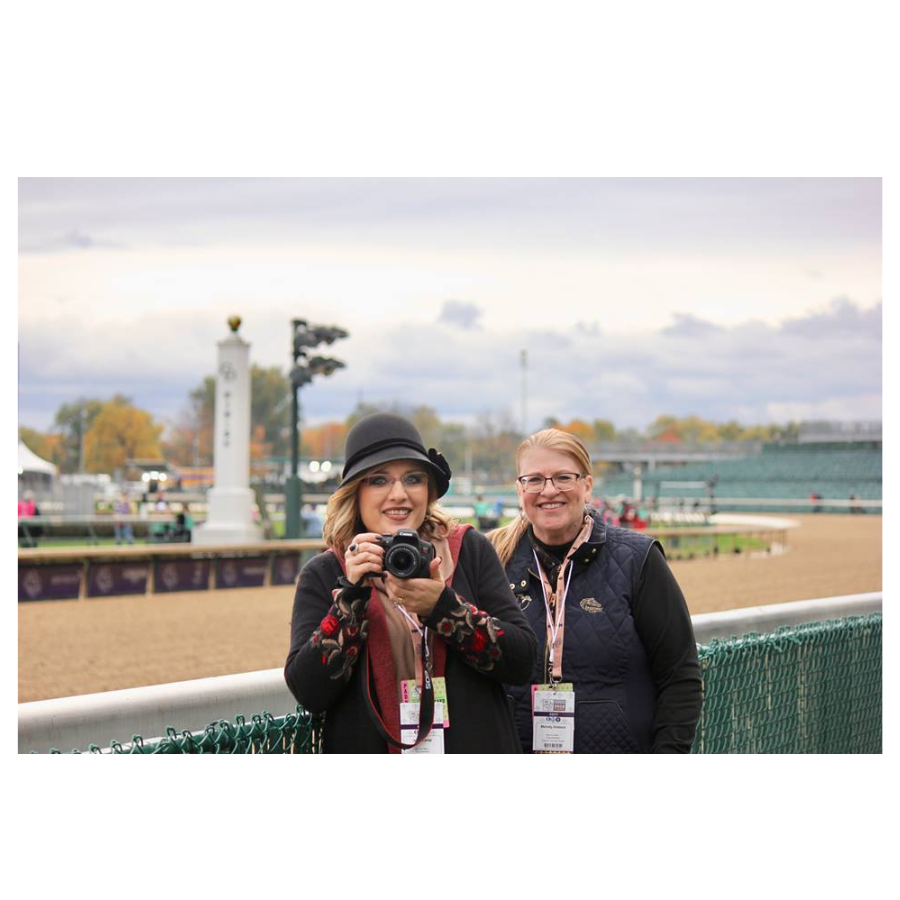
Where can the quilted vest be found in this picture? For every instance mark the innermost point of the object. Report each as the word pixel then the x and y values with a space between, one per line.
pixel 603 656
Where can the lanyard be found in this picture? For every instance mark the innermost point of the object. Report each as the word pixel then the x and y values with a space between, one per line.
pixel 555 605
pixel 425 652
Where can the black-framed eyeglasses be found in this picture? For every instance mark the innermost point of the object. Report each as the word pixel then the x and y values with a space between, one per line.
pixel 564 481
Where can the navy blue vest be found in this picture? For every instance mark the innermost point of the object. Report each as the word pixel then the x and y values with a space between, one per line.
pixel 603 656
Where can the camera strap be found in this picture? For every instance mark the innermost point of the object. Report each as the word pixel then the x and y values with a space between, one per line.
pixel 426 701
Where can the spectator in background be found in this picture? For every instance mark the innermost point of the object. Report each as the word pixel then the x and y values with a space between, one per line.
pixel 159 531
pixel 121 509
pixel 29 533
pixel 312 521
pixel 483 515
pixel 184 525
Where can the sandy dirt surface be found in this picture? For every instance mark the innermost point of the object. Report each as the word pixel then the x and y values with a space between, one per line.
pixel 828 556
pixel 72 647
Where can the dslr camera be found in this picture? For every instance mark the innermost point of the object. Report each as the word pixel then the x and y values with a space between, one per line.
pixel 405 556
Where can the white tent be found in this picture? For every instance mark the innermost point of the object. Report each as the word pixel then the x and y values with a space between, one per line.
pixel 31 462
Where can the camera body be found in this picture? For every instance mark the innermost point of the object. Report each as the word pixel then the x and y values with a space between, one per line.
pixel 405 555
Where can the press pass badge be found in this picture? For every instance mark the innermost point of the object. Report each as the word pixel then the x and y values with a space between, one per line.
pixel 553 718
pixel 409 692
pixel 409 726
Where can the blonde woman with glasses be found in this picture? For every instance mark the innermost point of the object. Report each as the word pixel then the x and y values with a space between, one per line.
pixel 617 668
pixel 405 630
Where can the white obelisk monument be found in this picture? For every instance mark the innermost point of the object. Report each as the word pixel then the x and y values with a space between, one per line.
pixel 230 502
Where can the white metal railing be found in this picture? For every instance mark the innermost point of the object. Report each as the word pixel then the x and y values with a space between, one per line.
pixel 76 722
pixel 764 619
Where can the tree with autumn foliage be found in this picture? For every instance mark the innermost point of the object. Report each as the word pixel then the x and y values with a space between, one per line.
pixel 579 428
pixel 689 430
pixel 324 441
pixel 120 432
pixel 694 430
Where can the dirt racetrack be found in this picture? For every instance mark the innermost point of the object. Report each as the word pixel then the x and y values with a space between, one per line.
pixel 72 647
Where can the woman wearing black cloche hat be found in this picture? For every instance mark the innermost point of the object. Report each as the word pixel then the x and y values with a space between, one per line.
pixel 405 629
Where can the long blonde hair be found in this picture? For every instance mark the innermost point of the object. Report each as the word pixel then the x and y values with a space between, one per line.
pixel 342 520
pixel 506 539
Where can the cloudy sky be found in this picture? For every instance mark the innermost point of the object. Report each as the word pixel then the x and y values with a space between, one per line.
pixel 753 299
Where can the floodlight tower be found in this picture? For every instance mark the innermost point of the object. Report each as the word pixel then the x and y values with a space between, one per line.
pixel 303 338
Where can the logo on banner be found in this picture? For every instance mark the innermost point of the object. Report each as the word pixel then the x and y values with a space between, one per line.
pixel 104 580
pixel 229 573
pixel 32 583
pixel 169 576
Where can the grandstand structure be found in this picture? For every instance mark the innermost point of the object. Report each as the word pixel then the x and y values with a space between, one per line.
pixel 824 475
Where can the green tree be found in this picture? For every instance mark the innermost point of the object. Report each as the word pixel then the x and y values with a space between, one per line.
pixel 270 407
pixel 73 421
pixel 604 430
pixel 493 441
pixel 731 431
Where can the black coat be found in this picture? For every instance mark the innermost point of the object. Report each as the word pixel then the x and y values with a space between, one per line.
pixel 488 643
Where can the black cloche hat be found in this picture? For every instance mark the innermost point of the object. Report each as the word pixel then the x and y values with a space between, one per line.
pixel 384 437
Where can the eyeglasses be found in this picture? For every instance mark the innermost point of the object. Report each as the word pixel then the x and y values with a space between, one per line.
pixel 383 482
pixel 534 484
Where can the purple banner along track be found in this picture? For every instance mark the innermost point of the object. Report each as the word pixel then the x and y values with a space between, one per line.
pixel 115 579
pixel 285 568
pixel 182 575
pixel 55 582
pixel 245 571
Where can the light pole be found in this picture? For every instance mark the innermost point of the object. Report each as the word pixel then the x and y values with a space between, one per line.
pixel 524 361
pixel 304 337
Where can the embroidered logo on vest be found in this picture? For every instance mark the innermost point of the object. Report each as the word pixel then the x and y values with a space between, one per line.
pixel 590 605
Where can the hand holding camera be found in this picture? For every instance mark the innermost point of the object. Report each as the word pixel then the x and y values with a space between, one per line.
pixel 364 557
pixel 408 564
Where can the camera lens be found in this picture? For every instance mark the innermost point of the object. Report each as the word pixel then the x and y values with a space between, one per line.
pixel 401 561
